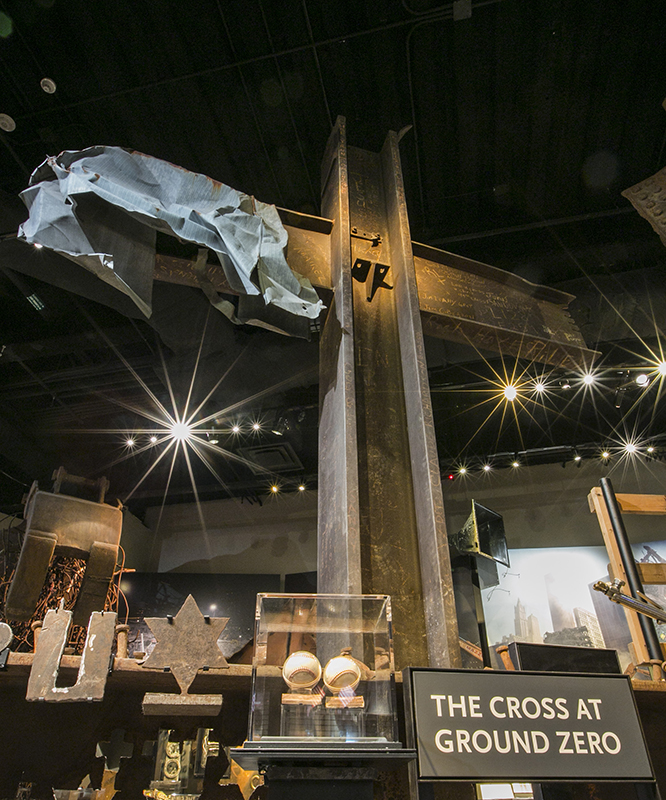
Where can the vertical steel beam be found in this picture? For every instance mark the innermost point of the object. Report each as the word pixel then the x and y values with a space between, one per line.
pixel 381 513
pixel 437 583
pixel 390 562
pixel 339 549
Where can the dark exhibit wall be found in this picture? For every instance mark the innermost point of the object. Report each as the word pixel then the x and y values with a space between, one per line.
pixel 546 505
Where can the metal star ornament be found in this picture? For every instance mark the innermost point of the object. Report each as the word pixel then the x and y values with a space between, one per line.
pixel 185 644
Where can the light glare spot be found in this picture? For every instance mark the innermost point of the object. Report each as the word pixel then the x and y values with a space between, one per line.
pixel 515 464
pixel 274 489
pixel 510 393
pixel 642 379
pixel 180 431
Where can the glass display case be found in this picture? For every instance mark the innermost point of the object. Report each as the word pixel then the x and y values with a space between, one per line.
pixel 323 673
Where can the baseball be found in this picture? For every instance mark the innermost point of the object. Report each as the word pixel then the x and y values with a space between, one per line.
pixel 340 673
pixel 301 670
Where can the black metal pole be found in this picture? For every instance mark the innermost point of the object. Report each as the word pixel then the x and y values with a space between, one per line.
pixel 633 579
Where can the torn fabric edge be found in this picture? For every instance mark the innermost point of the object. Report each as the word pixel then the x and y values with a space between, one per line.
pixel 64 199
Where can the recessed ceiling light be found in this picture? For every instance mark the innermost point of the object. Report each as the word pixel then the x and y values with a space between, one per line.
pixel 7 124
pixel 48 85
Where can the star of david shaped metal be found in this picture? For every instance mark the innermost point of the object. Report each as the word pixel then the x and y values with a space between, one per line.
pixel 186 643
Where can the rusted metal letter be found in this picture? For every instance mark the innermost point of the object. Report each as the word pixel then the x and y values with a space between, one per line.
pixel 94 668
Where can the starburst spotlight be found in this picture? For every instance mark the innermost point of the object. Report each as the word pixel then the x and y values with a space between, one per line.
pixel 301 488
pixel 661 368
pixel 605 454
pixel 129 442
pixel 180 431
pixel 630 448
pixel 515 464
pixel 256 426
pixel 462 471
pixel 235 429
pixel 153 439
pixel 275 488
pixel 510 393
pixel 487 467
pixel 588 379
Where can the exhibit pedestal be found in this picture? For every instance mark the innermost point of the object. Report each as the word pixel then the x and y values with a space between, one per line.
pixel 324 783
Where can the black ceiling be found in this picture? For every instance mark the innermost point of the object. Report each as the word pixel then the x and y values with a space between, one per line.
pixel 528 120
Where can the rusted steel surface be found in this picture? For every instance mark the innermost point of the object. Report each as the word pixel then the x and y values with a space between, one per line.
pixel 186 643
pixel 434 561
pixel 467 301
pixel 93 664
pixel 338 526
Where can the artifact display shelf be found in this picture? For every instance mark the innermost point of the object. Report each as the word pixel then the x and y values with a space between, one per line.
pixel 238 677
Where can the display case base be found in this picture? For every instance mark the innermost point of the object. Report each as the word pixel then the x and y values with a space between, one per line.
pixel 322 754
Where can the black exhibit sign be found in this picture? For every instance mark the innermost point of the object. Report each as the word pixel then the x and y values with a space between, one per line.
pixel 485 725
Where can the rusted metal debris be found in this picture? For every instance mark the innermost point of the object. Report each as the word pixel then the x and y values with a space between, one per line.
pixel 649 199
pixel 120 198
pixel 69 526
pixel 186 643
